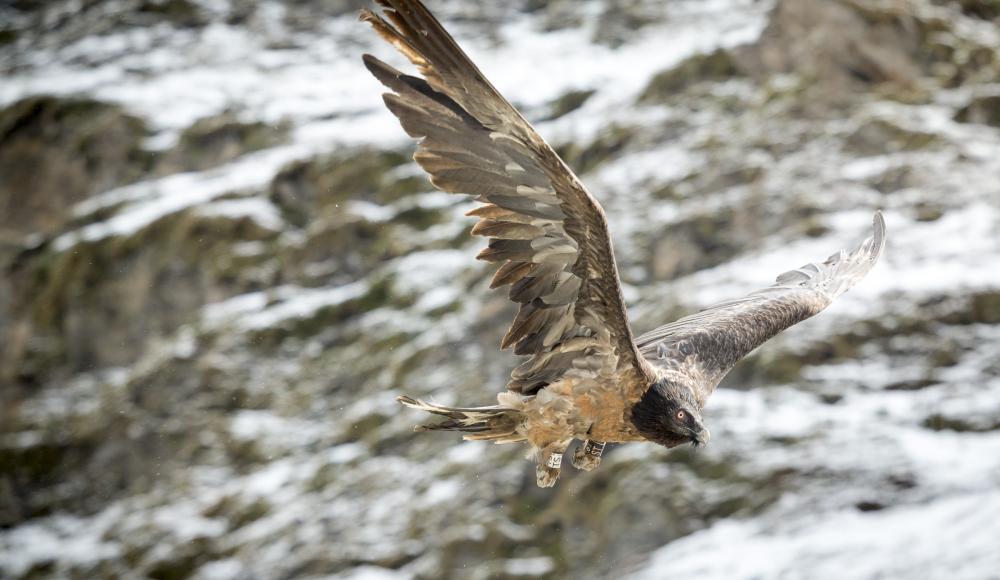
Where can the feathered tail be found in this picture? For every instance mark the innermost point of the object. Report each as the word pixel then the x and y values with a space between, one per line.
pixel 496 423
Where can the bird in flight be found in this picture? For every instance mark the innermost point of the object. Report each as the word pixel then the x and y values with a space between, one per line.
pixel 585 376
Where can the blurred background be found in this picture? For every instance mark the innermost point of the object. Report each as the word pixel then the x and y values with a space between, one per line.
pixel 220 266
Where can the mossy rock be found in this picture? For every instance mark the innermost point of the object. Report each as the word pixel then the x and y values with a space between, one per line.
pixel 716 179
pixel 35 461
pixel 622 19
pixel 747 495
pixel 894 179
pixel 611 142
pixel 567 103
pixel 911 385
pixel 55 152
pixel 28 474
pixel 380 293
pixel 706 240
pixel 420 218
pixel 714 66
pixel 181 13
pixel 842 49
pixel 765 368
pixel 216 140
pixel 982 110
pixel 983 9
pixel 813 227
pixel 182 563
pixel 693 244
pixel 128 289
pixel 75 447
pixel 8 36
pixel 203 243
pixel 350 248
pixel 672 495
pixel 980 308
pixel 940 422
pixel 238 511
pixel 782 367
pixel 305 188
pixel 880 136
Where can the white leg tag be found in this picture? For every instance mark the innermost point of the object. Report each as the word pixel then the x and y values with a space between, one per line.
pixel 555 460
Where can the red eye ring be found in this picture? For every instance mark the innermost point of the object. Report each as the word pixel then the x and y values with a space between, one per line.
pixel 681 415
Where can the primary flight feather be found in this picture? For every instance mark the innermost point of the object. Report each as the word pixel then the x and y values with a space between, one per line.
pixel 585 376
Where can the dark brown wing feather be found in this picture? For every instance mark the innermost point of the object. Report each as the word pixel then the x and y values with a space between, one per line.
pixel 706 345
pixel 548 235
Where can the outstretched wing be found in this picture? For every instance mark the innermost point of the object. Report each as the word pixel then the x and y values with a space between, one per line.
pixel 548 235
pixel 709 343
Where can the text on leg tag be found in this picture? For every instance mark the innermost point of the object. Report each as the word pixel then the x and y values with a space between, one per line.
pixel 555 460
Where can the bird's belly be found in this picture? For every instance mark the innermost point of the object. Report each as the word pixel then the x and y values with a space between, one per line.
pixel 569 409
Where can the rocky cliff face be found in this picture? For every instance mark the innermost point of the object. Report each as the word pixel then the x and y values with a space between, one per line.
pixel 220 267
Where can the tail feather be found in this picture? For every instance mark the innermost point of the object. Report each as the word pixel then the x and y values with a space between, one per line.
pixel 493 423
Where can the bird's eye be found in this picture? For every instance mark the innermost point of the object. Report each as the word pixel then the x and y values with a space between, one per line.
pixel 681 415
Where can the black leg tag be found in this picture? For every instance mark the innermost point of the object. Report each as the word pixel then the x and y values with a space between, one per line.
pixel 594 448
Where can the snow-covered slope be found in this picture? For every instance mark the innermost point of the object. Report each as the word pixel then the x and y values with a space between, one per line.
pixel 201 353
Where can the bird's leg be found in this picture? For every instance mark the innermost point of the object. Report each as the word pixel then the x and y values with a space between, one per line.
pixel 549 463
pixel 588 455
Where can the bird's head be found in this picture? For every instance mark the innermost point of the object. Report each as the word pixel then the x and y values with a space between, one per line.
pixel 669 415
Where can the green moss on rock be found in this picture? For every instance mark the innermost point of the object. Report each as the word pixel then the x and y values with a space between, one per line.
pixel 983 9
pixel 567 103
pixel 980 308
pixel 911 385
pixel 305 189
pixel 79 445
pixel 182 563
pixel 8 36
pixel 705 240
pixel 894 179
pixel 881 136
pixel 380 292
pixel 714 66
pixel 216 140
pixel 982 110
pixel 350 248
pixel 583 158
pixel 420 218
pixel 128 289
pixel 237 511
pixel 57 151
pixel 182 13
pixel 940 422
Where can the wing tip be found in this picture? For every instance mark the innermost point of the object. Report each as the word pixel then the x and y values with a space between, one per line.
pixel 878 222
pixel 371 61
pixel 878 235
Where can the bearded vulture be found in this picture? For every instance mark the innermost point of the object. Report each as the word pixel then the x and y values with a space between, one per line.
pixel 585 377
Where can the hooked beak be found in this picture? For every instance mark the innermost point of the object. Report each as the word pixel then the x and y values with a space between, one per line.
pixel 700 439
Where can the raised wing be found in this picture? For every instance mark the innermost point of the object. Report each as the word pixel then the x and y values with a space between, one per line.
pixel 710 342
pixel 547 233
